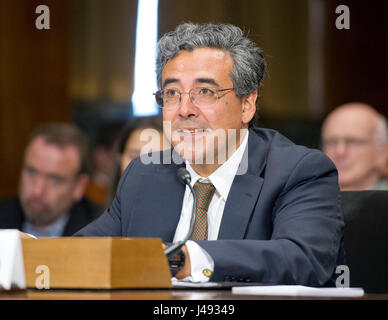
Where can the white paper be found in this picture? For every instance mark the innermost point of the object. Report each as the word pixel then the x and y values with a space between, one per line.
pixel 298 290
pixel 11 260
pixel 188 284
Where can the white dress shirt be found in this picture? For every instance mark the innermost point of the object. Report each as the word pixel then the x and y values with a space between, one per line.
pixel 202 264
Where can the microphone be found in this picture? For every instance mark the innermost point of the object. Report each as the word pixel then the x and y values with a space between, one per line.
pixel 173 248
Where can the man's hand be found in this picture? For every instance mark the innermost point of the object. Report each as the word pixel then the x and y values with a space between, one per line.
pixel 24 235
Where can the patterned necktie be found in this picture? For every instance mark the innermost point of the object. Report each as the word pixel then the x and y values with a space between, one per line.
pixel 204 192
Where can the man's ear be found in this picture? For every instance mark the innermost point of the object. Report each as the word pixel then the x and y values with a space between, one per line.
pixel 382 157
pixel 80 187
pixel 249 107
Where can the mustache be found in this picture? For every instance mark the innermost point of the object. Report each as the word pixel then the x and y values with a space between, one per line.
pixel 35 201
pixel 189 123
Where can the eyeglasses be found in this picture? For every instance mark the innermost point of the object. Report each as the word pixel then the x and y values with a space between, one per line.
pixel 348 142
pixel 200 97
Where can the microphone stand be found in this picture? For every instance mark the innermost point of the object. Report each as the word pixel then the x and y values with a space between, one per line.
pixel 173 248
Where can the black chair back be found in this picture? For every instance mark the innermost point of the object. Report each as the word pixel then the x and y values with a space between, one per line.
pixel 366 239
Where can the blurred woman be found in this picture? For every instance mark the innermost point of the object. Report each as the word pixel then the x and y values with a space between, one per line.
pixel 134 141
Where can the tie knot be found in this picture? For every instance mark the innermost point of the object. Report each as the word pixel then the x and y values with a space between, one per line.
pixel 204 192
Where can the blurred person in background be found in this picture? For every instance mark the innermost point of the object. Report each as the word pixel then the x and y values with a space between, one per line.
pixel 132 142
pixel 53 179
pixel 354 136
pixel 102 162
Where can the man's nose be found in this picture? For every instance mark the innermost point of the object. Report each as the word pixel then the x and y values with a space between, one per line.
pixel 186 107
pixel 39 186
pixel 341 148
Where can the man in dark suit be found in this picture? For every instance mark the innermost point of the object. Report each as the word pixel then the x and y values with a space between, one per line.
pixel 268 211
pixel 51 200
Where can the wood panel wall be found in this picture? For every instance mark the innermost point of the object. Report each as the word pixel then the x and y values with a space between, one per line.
pixel 33 79
pixel 87 55
pixel 357 59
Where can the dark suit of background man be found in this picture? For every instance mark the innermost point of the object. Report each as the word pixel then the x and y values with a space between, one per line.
pixel 275 215
pixel 51 200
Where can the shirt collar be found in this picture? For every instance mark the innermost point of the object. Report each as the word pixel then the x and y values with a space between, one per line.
pixel 223 177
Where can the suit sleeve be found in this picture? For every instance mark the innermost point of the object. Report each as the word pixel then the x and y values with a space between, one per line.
pixel 306 235
pixel 109 224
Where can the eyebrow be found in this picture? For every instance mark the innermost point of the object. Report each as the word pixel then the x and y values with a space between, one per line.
pixel 199 80
pixel 169 80
pixel 207 80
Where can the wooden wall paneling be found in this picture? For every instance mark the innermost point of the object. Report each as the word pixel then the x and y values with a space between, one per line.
pixel 356 59
pixel 33 79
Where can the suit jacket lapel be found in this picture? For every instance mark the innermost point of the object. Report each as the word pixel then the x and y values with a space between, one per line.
pixel 245 190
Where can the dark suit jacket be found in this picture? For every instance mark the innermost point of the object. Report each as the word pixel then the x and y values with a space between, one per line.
pixel 282 222
pixel 366 234
pixel 81 214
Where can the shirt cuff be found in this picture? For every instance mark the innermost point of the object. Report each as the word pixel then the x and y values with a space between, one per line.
pixel 202 264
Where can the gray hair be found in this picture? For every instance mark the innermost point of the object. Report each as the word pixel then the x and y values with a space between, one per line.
pixel 249 63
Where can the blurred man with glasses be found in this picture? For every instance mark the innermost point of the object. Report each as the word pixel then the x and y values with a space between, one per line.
pixel 354 136
pixel 266 212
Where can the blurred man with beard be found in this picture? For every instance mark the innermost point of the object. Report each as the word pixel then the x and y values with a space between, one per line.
pixel 53 179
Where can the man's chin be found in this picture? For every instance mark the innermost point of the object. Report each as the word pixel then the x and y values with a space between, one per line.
pixel 192 157
pixel 197 157
pixel 201 152
pixel 348 184
pixel 39 218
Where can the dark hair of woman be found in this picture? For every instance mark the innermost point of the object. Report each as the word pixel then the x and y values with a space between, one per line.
pixel 139 123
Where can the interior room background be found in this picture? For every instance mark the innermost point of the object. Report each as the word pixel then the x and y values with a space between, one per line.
pixel 81 69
